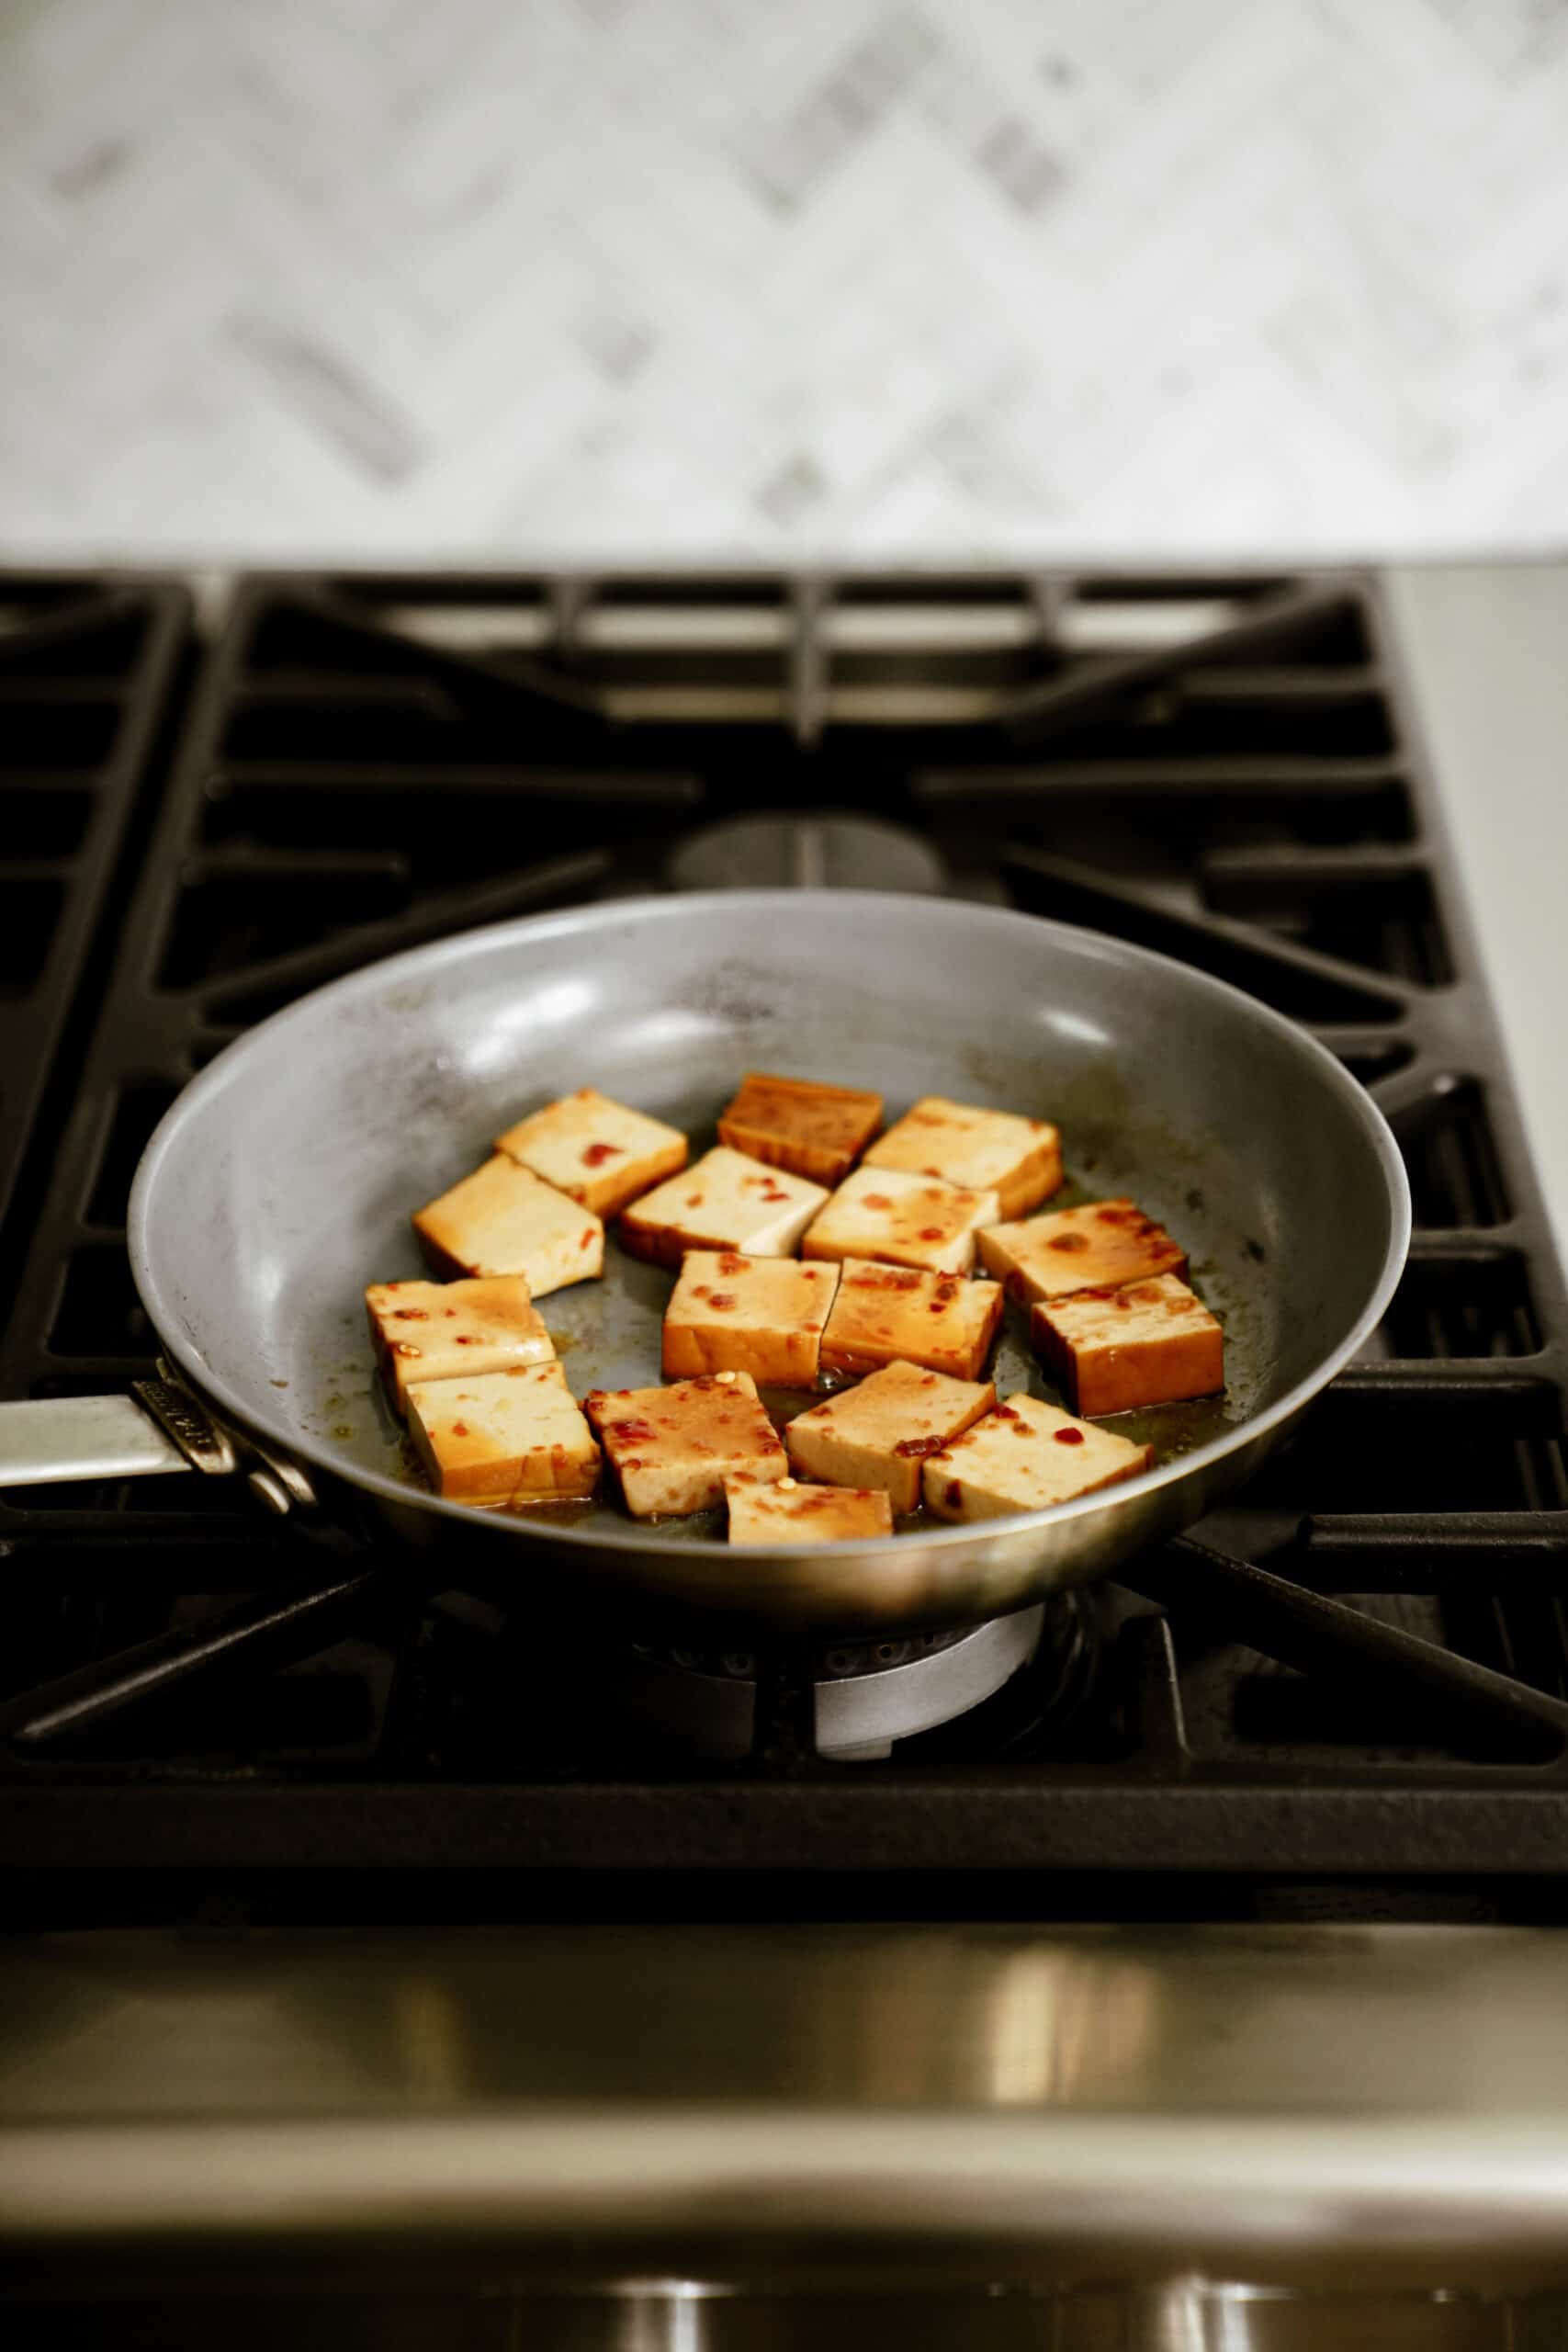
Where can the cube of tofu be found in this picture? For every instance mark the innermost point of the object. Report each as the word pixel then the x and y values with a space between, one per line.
pixel 1147 1343
pixel 1098 1247
pixel 673 1448
pixel 893 1314
pixel 441 1331
pixel 988 1151
pixel 504 1437
pixel 764 1316
pixel 505 1220
pixel 723 1202
pixel 1025 1456
pixel 595 1151
pixel 904 1220
pixel 880 1433
pixel 785 1513
pixel 814 1131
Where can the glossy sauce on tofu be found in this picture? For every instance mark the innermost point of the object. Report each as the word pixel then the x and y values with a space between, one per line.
pixel 609 1333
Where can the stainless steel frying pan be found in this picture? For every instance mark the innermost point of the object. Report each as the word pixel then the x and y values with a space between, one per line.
pixel 281 1183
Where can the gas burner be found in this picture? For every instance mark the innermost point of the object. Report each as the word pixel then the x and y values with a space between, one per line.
pixel 868 1697
pixel 810 852
pixel 1226 770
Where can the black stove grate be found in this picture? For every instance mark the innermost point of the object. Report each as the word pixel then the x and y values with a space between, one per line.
pixel 1359 1669
pixel 86 673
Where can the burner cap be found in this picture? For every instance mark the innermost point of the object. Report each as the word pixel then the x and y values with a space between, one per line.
pixel 866 1695
pixel 806 852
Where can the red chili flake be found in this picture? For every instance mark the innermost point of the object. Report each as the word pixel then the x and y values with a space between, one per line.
pixel 919 1449
pixel 877 1201
pixel 462 1338
pixel 1067 1437
pixel 449 1311
pixel 693 1200
pixel 932 1171
pixel 598 1153
pixel 730 1263
pixel 1006 1413
pixel 721 1300
pixel 931 1233
pixel 929 1380
pixel 1068 1241
pixel 406 1348
pixel 947 1289
pixel 587 1237
pixel 935 1307
pixel 634 1432
pixel 460 1429
pixel 1022 1429
pixel 953 1495
pixel 411 1315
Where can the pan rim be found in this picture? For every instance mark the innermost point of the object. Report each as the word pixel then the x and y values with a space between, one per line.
pixel 689 906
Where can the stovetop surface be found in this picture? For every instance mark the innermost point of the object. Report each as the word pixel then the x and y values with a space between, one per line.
pixel 1351 1695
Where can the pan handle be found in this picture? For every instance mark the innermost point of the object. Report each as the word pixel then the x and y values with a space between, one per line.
pixel 162 1426
pixel 62 1438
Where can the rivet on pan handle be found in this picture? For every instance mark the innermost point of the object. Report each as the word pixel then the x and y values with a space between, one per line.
pixel 177 1413
pixel 210 1443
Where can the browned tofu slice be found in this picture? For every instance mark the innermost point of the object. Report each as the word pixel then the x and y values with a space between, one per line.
pixel 505 1220
pixel 595 1151
pixel 673 1448
pixel 1147 1343
pixel 723 1202
pixel 904 1220
pixel 814 1131
pixel 888 1314
pixel 987 1151
pixel 504 1437
pixel 764 1316
pixel 880 1433
pixel 1097 1246
pixel 786 1512
pixel 1025 1456
pixel 441 1330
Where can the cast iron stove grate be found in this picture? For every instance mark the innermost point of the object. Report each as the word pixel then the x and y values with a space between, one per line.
pixel 1361 1669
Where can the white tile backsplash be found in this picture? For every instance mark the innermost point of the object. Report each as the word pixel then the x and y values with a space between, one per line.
pixel 1172 280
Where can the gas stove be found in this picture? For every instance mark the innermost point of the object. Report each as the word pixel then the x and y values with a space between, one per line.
pixel 1347 1693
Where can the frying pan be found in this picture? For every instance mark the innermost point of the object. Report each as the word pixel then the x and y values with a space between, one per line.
pixel 281 1181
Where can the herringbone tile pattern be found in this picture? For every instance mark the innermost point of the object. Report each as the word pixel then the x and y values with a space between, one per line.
pixel 589 277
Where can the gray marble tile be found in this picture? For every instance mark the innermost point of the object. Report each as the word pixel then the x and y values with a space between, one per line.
pixel 1175 280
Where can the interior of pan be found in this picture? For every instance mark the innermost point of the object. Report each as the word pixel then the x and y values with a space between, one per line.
pixel 283 1179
